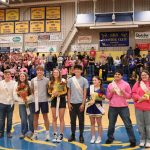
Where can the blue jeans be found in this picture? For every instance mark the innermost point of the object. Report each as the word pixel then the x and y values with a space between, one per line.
pixel 26 121
pixel 123 112
pixel 6 111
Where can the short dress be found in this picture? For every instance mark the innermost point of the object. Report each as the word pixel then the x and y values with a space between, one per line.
pixel 96 109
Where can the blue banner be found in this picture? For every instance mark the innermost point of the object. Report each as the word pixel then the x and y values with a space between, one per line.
pixel 114 39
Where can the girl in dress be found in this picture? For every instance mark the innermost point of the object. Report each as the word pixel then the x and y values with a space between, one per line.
pixel 95 110
pixel 58 90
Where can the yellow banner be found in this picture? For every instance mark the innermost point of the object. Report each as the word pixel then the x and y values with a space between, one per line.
pixel 38 13
pixel 7 27
pixel 37 26
pixel 53 13
pixel 2 15
pixel 22 27
pixel 53 25
pixel 12 14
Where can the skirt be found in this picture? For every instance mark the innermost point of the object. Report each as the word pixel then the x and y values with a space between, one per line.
pixel 95 110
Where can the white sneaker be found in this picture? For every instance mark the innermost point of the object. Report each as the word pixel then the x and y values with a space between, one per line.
pixel 34 136
pixel 147 145
pixel 98 140
pixel 92 140
pixel 142 143
pixel 54 140
pixel 47 138
pixel 60 138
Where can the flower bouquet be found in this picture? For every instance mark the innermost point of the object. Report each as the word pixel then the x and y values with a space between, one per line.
pixel 147 95
pixel 22 91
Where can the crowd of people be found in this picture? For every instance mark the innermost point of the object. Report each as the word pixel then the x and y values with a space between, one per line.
pixel 34 96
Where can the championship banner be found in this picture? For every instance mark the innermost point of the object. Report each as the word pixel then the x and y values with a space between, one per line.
pixel 43 37
pixel 37 26
pixel 16 49
pixel 84 39
pixel 53 12
pixel 56 36
pixel 114 39
pixel 46 49
pixel 12 14
pixel 37 13
pixel 2 15
pixel 53 26
pixel 22 27
pixel 7 27
pixel 31 38
pixel 31 48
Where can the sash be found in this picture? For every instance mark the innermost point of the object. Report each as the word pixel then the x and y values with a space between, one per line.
pixel 144 87
pixel 100 108
pixel 36 94
pixel 6 89
pixel 77 85
pixel 116 88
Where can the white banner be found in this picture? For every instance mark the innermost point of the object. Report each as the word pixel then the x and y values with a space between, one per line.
pixel 4 39
pixel 56 37
pixel 31 48
pixel 46 49
pixel 142 35
pixel 84 47
pixel 16 49
pixel 84 39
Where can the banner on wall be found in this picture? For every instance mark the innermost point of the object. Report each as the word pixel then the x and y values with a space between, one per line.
pixel 37 13
pixel 53 12
pixel 37 26
pixel 84 39
pixel 7 27
pixel 2 15
pixel 53 25
pixel 22 27
pixel 43 37
pixel 144 46
pixel 56 37
pixel 12 14
pixel 31 38
pixel 4 49
pixel 31 48
pixel 16 49
pixel 142 35
pixel 46 49
pixel 114 39
pixel 4 39
pixel 83 47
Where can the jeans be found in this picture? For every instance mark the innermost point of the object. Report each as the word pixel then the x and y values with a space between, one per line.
pixel 143 123
pixel 73 116
pixel 26 121
pixel 123 112
pixel 6 111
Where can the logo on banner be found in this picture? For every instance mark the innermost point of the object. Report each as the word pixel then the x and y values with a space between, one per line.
pixel 142 35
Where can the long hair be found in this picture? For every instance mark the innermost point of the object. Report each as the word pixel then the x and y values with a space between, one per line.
pixel 26 82
pixel 53 78
pixel 145 71
pixel 101 83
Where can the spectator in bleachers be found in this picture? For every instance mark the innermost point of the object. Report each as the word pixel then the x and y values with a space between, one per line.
pixel 92 52
pixel 124 64
pixel 110 61
pixel 103 56
pixel 130 51
pixel 60 60
pixel 133 78
pixel 137 50
pixel 117 63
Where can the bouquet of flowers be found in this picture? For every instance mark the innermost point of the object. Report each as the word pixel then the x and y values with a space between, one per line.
pixel 95 97
pixel 58 87
pixel 22 91
pixel 147 95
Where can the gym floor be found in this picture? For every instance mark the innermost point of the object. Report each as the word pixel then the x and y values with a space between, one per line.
pixel 121 139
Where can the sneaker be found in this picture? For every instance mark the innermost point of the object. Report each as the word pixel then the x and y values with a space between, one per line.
pixel 132 144
pixel 60 138
pixel 142 143
pixel 47 137
pixel 9 135
pixel 81 139
pixel 108 141
pixel 54 138
pixel 29 135
pixel 34 136
pixel 92 140
pixel 98 140
pixel 22 136
pixel 72 138
pixel 147 145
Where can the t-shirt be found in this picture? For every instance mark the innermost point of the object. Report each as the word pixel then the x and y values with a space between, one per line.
pixel 76 96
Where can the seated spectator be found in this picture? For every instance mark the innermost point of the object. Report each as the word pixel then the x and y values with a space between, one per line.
pixel 133 78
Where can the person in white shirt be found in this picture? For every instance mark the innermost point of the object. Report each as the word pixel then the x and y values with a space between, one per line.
pixel 6 103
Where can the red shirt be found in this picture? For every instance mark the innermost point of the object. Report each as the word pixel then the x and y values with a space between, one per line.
pixel 92 53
